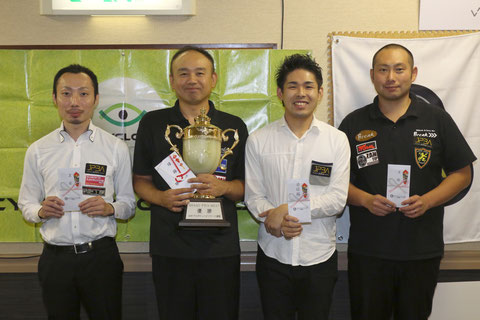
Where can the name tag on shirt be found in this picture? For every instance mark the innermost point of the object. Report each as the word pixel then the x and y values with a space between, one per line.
pixel 299 200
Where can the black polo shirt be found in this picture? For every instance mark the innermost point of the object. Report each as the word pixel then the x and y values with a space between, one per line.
pixel 427 139
pixel 166 238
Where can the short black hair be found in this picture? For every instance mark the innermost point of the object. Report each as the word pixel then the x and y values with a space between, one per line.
pixel 192 48
pixel 76 68
pixel 298 61
pixel 394 46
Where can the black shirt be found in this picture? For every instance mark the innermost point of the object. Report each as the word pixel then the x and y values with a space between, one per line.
pixel 166 238
pixel 427 139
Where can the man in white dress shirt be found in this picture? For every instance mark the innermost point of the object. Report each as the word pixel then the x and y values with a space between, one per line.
pixel 76 182
pixel 297 262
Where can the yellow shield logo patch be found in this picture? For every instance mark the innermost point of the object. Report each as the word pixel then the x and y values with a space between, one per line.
pixel 422 156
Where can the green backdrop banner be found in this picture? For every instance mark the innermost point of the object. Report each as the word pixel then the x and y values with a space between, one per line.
pixel 132 82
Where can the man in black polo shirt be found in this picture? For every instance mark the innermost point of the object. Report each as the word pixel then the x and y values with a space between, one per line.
pixel 196 272
pixel 395 248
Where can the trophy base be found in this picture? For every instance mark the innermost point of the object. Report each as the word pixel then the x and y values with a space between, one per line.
pixel 204 213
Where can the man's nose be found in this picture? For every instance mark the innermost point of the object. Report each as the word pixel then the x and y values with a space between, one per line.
pixel 75 99
pixel 390 74
pixel 301 91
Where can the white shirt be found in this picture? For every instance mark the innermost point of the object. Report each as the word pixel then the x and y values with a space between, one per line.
pixel 40 180
pixel 273 156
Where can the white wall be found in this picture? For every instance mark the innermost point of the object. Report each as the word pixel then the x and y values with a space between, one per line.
pixel 306 25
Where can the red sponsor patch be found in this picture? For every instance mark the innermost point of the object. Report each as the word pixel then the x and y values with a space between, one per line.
pixel 367 146
pixel 94 181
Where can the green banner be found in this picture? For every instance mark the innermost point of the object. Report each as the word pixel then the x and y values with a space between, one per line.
pixel 132 82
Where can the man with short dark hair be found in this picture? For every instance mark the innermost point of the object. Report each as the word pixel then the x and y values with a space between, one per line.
pixel 396 234
pixel 196 272
pixel 297 262
pixel 80 263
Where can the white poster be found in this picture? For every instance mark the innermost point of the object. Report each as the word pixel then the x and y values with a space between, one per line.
pixel 449 15
pixel 449 68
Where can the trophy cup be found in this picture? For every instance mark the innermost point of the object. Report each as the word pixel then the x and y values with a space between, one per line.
pixel 202 153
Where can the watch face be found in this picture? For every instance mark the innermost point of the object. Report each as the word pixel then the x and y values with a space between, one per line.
pixel 431 97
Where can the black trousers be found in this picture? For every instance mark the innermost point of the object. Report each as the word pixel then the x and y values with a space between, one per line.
pixel 205 289
pixel 93 279
pixel 287 290
pixel 380 289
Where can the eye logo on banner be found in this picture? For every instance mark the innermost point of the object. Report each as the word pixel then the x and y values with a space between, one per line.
pixel 123 103
pixel 122 114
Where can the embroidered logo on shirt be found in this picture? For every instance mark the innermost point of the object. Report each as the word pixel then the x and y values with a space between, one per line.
pixel 367 154
pixel 222 167
pixel 425 133
pixel 365 135
pixel 93 168
pixel 367 146
pixel 321 169
pixel 422 142
pixel 422 156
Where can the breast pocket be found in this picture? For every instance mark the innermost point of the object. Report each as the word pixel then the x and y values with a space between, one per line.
pixel 320 173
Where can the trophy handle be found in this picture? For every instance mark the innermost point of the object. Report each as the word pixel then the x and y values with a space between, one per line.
pixel 225 138
pixel 178 135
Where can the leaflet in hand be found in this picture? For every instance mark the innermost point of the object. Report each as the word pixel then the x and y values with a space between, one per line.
pixel 175 171
pixel 398 183
pixel 70 188
pixel 299 200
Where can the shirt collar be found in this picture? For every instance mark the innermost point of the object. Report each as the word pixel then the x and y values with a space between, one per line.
pixel 412 110
pixel 315 126
pixel 92 129
pixel 178 116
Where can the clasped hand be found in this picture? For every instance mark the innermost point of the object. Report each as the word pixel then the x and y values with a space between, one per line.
pixel 52 207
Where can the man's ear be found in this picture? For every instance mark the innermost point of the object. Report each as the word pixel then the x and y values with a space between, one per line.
pixel 414 73
pixel 214 79
pixel 280 94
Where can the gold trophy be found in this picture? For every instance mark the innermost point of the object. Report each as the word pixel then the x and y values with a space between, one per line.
pixel 202 153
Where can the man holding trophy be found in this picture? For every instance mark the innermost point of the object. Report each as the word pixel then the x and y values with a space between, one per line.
pixel 195 270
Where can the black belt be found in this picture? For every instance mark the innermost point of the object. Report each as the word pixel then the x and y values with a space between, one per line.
pixel 80 248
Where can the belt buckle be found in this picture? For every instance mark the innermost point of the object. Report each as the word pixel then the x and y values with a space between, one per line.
pixel 86 248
